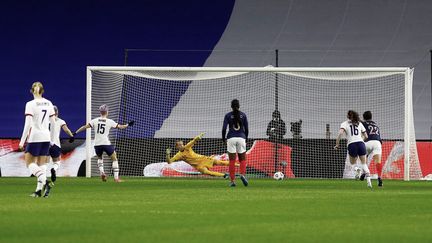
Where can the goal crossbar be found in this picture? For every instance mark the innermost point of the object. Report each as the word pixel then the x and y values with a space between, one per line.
pixel 252 69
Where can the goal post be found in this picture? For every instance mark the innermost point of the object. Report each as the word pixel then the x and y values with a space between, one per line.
pixel 88 119
pixel 410 148
pixel 177 103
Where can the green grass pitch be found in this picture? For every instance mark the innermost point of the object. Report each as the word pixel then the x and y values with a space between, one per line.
pixel 207 210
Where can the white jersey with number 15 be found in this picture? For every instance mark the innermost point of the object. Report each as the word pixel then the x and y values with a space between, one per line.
pixel 102 128
pixel 353 131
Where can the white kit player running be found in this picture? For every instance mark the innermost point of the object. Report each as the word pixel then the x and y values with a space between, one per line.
pixel 102 126
pixel 356 134
pixel 39 113
pixel 55 149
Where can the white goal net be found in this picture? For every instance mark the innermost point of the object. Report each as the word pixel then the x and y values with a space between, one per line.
pixel 175 103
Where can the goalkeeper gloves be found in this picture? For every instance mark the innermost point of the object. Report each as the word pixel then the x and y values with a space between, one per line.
pixel 131 123
pixel 71 139
pixel 168 151
pixel 200 135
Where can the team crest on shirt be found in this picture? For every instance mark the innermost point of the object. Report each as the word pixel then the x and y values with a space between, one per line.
pixel 237 126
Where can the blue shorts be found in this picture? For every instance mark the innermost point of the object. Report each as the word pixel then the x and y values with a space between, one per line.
pixel 55 151
pixel 38 149
pixel 108 149
pixel 356 149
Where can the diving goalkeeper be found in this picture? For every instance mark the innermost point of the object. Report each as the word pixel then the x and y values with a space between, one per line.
pixel 201 163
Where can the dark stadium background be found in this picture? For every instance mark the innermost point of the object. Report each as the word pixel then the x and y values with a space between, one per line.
pixel 54 41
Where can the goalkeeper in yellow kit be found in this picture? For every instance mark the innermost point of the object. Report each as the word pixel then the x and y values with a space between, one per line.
pixel 201 163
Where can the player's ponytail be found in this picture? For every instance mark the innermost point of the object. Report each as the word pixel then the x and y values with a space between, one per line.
pixel 37 88
pixel 235 105
pixel 353 116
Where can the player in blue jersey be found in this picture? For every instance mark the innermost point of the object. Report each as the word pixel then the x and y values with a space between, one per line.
pixel 356 134
pixel 238 131
pixel 373 144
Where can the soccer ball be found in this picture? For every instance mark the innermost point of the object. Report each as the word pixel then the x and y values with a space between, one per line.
pixel 278 176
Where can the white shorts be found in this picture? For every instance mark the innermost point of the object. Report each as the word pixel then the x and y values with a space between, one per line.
pixel 373 147
pixel 236 145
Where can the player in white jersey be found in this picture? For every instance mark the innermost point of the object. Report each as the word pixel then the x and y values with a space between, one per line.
pixel 102 126
pixel 55 149
pixel 39 113
pixel 356 134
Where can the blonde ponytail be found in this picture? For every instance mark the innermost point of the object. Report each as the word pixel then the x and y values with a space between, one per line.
pixel 37 88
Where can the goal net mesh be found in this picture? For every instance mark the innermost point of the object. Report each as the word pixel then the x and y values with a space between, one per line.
pixel 168 106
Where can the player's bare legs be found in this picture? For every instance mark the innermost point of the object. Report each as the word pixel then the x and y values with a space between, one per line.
pixel 353 160
pixel 115 167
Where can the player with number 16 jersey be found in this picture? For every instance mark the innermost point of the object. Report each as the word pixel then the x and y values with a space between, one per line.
pixel 355 133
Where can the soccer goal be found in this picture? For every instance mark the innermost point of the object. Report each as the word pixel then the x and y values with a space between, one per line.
pixel 177 103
